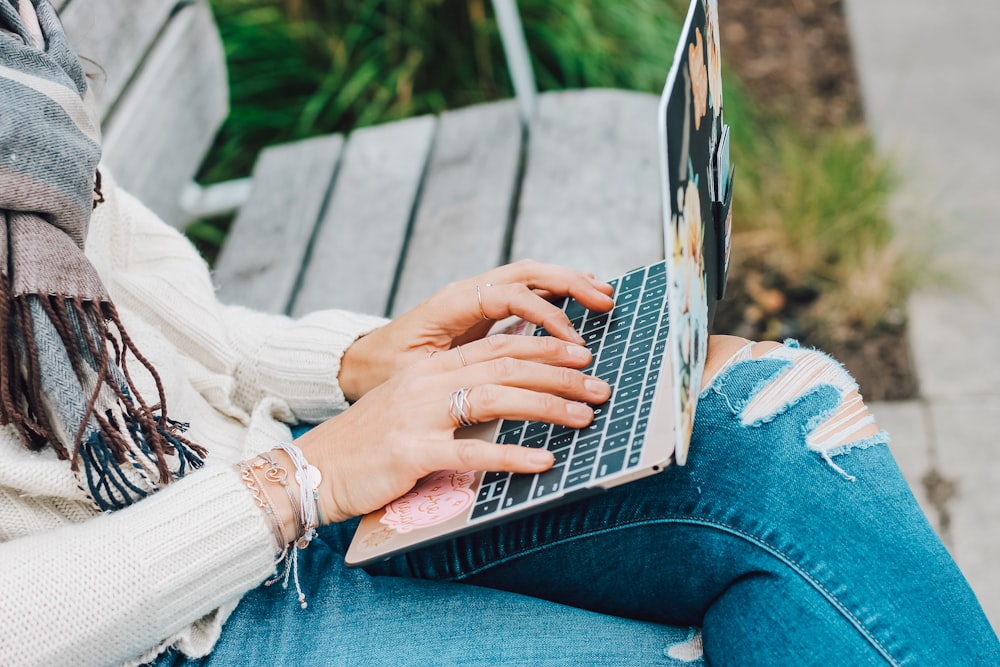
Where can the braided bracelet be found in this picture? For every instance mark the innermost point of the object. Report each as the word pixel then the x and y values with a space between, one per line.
pixel 309 479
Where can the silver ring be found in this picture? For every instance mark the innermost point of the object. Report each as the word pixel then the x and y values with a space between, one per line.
pixel 461 356
pixel 479 298
pixel 460 407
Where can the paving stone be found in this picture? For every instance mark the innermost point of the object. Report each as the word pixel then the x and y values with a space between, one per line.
pixel 906 422
pixel 966 442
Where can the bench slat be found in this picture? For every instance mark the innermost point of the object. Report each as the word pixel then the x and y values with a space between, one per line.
pixel 591 192
pixel 260 264
pixel 356 252
pixel 155 139
pixel 115 35
pixel 461 223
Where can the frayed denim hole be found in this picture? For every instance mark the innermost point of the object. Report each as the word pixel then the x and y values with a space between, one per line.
pixel 738 384
pixel 880 438
pixel 825 394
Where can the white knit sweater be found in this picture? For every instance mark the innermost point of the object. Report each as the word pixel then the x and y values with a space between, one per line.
pixel 81 588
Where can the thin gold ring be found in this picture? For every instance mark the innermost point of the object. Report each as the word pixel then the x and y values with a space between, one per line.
pixel 479 298
pixel 461 356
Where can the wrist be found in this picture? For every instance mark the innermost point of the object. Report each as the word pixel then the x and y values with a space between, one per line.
pixel 355 368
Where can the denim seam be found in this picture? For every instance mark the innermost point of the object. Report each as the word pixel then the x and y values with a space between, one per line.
pixel 773 550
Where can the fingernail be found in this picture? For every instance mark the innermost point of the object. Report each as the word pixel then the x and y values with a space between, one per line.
pixel 540 457
pixel 574 334
pixel 579 410
pixel 594 385
pixel 577 352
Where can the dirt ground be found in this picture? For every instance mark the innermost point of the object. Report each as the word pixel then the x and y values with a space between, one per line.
pixel 796 55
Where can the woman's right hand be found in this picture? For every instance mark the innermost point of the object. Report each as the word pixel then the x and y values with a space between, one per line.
pixel 403 430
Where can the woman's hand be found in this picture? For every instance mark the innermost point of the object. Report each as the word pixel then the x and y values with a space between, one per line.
pixel 404 428
pixel 464 311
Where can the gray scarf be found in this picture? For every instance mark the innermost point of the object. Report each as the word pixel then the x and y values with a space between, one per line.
pixel 64 354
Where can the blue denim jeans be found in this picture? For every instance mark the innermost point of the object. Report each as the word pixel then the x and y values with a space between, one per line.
pixel 762 550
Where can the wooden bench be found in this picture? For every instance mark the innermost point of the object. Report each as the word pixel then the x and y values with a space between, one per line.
pixel 377 220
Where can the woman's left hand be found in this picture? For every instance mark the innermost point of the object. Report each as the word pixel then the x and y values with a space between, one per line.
pixel 464 311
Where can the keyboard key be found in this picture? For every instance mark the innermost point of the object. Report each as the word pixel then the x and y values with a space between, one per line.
pixel 484 493
pixel 624 408
pixel 643 334
pixel 641 348
pixel 491 477
pixel 560 437
pixel 627 296
pixel 611 377
pixel 595 322
pixel 611 463
pixel 510 437
pixel 485 509
pixel 585 445
pixel 577 478
pixel 574 309
pixel 627 393
pixel 616 442
pixel 518 489
pixel 534 429
pixel 561 455
pixel 647 320
pixel 549 482
pixel 614 349
pixel 633 280
pixel 615 337
pixel 622 425
pixel 608 367
pixel 582 462
pixel 633 459
pixel 635 377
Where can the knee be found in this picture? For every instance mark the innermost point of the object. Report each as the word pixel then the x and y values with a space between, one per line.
pixel 844 424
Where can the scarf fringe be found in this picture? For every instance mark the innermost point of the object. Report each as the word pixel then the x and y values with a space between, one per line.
pixel 126 448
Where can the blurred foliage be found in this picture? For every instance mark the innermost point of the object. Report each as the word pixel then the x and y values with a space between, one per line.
pixel 814 248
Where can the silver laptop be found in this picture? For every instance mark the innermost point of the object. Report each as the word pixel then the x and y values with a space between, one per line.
pixel 650 348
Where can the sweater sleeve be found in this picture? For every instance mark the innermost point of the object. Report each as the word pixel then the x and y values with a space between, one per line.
pixel 111 588
pixel 155 272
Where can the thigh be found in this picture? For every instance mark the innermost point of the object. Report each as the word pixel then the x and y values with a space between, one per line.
pixel 355 618
pixel 765 523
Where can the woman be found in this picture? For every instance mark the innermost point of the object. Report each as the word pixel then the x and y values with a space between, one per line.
pixel 129 536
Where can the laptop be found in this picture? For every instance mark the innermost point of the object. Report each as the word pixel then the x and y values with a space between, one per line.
pixel 651 347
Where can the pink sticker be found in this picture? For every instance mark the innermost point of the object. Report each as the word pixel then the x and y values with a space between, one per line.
pixel 435 499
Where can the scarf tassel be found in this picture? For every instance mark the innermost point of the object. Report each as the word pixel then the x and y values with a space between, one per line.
pixel 65 383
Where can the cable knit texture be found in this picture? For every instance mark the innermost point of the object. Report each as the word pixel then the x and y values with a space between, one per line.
pixel 85 588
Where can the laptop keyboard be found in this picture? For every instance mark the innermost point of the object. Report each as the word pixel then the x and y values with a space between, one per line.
pixel 627 344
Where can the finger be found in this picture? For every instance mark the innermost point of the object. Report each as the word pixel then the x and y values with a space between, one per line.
pixel 478 455
pixel 541 349
pixel 540 377
pixel 501 301
pixel 486 402
pixel 592 293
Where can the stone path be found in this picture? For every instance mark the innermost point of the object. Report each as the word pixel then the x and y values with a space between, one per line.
pixel 928 75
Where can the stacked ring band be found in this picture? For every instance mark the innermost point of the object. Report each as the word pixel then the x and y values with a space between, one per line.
pixel 460 407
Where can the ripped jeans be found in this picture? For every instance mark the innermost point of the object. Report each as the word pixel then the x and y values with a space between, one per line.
pixel 789 538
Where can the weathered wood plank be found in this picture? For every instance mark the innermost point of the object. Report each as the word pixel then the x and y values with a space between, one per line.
pixel 156 137
pixel 462 218
pixel 115 35
pixel 356 252
pixel 261 261
pixel 591 192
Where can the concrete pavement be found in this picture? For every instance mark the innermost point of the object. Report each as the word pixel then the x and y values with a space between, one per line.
pixel 928 76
